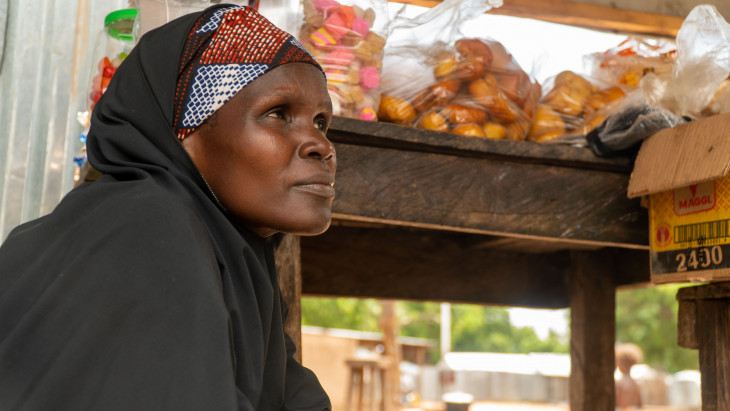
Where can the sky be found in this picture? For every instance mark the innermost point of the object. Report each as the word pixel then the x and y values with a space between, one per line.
pixel 540 320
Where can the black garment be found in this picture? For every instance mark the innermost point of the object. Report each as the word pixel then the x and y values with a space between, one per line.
pixel 138 292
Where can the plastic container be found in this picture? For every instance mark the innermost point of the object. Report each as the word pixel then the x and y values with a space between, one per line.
pixel 112 47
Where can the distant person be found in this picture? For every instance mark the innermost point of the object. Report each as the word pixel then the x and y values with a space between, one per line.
pixel 628 394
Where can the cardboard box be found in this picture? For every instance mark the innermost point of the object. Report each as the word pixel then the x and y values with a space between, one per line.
pixel 684 171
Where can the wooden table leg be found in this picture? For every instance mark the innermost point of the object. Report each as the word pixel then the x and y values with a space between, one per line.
pixel 592 333
pixel 704 324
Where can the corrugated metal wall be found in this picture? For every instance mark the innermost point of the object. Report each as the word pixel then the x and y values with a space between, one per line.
pixel 43 79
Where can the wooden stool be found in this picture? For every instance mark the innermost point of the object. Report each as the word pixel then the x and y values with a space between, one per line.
pixel 374 370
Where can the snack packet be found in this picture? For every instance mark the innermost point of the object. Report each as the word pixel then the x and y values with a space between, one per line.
pixel 348 41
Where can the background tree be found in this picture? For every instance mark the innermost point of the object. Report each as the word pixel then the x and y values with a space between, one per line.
pixel 644 316
pixel 473 327
pixel 647 317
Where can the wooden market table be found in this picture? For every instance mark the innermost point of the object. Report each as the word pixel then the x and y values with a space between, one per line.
pixel 432 216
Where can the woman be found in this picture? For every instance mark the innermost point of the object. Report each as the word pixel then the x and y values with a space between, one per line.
pixel 154 287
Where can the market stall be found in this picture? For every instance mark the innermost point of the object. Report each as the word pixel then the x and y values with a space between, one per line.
pixel 429 216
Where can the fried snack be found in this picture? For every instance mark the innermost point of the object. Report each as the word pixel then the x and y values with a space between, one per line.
pixel 569 93
pixel 446 65
pixel 486 93
pixel 474 49
pixel 592 122
pixel 494 130
pixel 601 98
pixel 396 109
pixel 468 130
pixel 433 121
pixel 437 94
pixel 518 129
pixel 546 121
pixel 462 114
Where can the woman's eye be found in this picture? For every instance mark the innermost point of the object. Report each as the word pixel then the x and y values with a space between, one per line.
pixel 275 113
pixel 321 124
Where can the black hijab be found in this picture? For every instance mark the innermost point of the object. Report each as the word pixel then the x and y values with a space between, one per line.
pixel 138 292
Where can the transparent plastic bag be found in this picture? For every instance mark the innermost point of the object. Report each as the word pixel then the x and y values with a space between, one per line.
pixel 627 63
pixel 347 38
pixel 435 78
pixel 572 106
pixel 703 64
pixel 478 90
pixel 696 86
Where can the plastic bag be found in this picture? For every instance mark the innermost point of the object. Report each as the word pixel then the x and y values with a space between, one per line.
pixel 703 64
pixel 627 63
pixel 347 38
pixel 696 86
pixel 572 107
pixel 478 90
pixel 622 131
pixel 437 79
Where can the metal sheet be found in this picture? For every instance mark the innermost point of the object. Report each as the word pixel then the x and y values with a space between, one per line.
pixel 44 69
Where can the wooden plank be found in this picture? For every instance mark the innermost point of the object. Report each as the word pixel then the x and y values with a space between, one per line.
pixel 387 135
pixel 712 333
pixel 289 271
pixel 722 355
pixel 708 311
pixel 583 15
pixel 720 290
pixel 592 333
pixel 497 197
pixel 687 324
pixel 402 263
pixel 429 265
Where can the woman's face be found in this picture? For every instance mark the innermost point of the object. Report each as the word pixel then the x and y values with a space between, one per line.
pixel 266 156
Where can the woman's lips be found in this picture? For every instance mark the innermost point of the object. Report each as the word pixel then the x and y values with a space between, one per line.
pixel 326 190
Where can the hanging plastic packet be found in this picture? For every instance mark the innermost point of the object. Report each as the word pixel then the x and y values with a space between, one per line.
pixel 347 38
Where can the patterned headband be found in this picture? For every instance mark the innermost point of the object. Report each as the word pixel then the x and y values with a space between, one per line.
pixel 227 49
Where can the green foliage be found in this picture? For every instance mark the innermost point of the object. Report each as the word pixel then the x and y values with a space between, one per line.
pixel 647 317
pixel 488 329
pixel 473 327
pixel 345 313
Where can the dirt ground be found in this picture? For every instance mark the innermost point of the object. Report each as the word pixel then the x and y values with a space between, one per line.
pixel 524 406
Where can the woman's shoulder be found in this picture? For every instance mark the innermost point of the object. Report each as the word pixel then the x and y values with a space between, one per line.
pixel 140 205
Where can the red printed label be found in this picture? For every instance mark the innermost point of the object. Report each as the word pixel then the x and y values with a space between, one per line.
pixel 695 198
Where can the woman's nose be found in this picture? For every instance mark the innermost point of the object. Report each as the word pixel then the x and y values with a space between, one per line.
pixel 317 146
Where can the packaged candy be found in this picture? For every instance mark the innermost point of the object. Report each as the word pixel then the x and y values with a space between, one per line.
pixel 348 39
